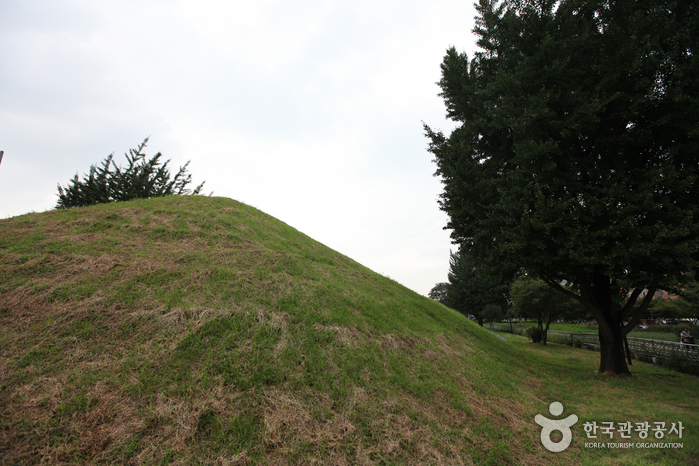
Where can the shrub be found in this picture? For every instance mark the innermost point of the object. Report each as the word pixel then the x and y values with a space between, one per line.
pixel 535 334
pixel 140 179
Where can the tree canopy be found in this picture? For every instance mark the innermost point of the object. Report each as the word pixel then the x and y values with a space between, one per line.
pixel 472 290
pixel 576 154
pixel 439 292
pixel 535 299
pixel 141 178
pixel 682 305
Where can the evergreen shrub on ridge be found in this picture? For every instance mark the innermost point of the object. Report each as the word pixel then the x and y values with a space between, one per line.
pixel 140 179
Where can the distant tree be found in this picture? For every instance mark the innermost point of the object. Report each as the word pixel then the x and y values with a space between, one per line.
pixel 689 292
pixel 140 179
pixel 471 287
pixel 684 304
pixel 576 150
pixel 439 292
pixel 669 308
pixel 492 313
pixel 535 299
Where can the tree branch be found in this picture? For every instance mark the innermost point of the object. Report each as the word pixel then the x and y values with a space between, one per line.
pixel 639 312
pixel 631 301
pixel 554 284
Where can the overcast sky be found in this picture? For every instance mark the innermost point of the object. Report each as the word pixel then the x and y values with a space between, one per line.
pixel 308 110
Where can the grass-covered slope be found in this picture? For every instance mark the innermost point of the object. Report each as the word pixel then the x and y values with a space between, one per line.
pixel 195 330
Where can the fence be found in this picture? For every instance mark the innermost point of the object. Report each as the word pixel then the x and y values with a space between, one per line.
pixel 640 348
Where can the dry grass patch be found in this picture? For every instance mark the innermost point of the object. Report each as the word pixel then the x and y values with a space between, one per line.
pixel 346 336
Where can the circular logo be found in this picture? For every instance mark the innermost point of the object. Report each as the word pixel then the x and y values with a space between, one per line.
pixel 551 425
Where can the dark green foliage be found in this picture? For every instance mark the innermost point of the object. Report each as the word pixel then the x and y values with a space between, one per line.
pixel 683 303
pixel 439 292
pixel 535 299
pixel 492 313
pixel 471 287
pixel 140 179
pixel 676 308
pixel 535 334
pixel 689 294
pixel 576 154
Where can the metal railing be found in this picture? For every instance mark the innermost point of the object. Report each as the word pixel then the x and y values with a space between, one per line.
pixel 639 347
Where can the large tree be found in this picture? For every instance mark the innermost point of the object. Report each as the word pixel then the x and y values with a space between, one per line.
pixel 576 153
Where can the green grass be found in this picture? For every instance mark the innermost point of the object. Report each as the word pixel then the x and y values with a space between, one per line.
pixel 195 330
pixel 591 328
pixel 663 336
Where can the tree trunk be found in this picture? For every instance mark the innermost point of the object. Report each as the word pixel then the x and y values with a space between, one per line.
pixel 596 294
pixel 612 356
pixel 545 331
pixel 480 320
pixel 611 339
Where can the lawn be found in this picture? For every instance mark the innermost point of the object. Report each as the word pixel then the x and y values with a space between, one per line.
pixel 652 394
pixel 591 328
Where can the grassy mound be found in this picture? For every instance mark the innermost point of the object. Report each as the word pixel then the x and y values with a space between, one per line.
pixel 195 330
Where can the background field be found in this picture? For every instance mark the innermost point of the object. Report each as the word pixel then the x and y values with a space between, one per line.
pixel 590 328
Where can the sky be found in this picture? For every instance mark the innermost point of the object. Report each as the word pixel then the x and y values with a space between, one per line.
pixel 310 111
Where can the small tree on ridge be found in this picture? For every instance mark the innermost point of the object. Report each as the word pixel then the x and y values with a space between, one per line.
pixel 141 178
